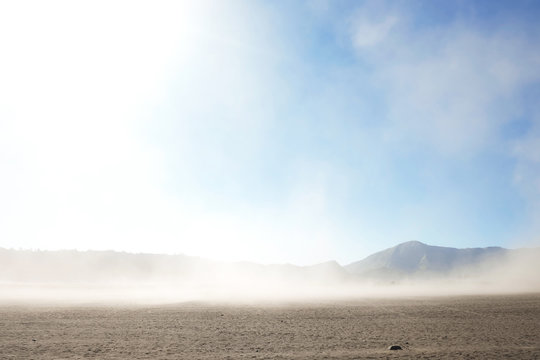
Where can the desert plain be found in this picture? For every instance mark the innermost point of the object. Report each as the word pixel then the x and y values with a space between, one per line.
pixel 451 327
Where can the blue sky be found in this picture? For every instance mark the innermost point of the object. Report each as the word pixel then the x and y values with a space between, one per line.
pixel 269 131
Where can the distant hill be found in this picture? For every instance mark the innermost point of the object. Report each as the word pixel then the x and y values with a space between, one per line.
pixel 411 259
pixel 70 266
pixel 416 258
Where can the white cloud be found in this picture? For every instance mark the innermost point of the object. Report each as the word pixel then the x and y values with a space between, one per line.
pixel 83 83
pixel 77 81
pixel 451 88
pixel 369 33
pixel 526 176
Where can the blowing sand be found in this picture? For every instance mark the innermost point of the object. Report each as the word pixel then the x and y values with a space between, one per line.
pixel 473 327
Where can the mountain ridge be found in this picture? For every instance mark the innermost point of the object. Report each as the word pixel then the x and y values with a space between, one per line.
pixel 405 260
pixel 414 256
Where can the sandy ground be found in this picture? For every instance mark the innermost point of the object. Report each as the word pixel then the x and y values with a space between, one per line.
pixel 481 327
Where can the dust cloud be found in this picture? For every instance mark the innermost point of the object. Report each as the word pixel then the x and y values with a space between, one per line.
pixel 106 277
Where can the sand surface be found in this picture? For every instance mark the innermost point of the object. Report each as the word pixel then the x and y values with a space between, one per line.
pixel 477 327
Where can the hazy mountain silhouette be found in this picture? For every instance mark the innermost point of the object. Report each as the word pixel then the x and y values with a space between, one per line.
pixel 108 266
pixel 409 259
pixel 414 258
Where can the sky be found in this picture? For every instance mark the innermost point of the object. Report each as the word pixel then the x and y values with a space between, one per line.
pixel 269 131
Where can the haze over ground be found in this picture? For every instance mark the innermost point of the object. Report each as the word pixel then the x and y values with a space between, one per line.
pixel 408 269
pixel 274 132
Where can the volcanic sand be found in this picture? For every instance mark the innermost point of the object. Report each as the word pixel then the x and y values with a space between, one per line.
pixel 481 327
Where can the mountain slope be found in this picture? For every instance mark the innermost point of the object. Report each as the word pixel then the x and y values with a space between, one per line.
pixel 405 260
pixel 415 257
pixel 70 266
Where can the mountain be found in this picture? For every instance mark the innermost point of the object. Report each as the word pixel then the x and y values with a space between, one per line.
pixel 414 257
pixel 70 266
pixel 411 259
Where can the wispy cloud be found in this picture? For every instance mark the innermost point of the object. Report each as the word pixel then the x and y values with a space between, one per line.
pixel 451 88
pixel 135 127
pixel 368 33
pixel 457 89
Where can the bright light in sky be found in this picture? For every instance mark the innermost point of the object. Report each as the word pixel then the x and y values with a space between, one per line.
pixel 268 131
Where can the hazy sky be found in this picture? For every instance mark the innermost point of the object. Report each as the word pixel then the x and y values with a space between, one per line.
pixel 271 131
